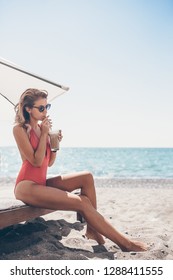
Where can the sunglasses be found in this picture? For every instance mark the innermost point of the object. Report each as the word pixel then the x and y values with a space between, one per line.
pixel 41 108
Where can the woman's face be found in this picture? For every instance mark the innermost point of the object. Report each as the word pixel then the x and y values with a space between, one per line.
pixel 39 110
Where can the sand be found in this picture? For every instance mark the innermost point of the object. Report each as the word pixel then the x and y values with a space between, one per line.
pixel 141 209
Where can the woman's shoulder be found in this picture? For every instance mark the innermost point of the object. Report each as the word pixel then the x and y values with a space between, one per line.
pixel 18 129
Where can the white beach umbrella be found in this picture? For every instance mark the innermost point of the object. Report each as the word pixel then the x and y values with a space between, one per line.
pixel 14 80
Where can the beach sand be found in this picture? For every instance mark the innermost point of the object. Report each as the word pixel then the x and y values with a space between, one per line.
pixel 141 209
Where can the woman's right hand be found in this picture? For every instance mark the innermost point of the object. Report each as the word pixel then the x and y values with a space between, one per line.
pixel 46 125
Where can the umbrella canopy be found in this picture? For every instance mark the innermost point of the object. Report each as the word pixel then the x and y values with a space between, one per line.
pixel 14 80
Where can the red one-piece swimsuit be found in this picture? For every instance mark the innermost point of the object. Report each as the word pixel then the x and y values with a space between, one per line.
pixel 30 172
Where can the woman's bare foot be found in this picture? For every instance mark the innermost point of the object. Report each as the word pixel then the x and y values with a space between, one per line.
pixel 90 234
pixel 135 246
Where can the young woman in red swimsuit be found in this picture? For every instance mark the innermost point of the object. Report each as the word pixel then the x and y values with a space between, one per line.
pixel 32 186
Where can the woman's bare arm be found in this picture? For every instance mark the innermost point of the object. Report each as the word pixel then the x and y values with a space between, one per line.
pixel 35 157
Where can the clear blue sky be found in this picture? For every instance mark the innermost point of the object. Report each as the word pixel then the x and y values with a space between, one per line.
pixel 115 55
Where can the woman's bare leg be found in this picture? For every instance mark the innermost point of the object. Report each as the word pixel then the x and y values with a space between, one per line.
pixel 84 181
pixel 52 198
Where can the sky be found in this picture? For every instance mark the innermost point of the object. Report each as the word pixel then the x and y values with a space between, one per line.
pixel 116 57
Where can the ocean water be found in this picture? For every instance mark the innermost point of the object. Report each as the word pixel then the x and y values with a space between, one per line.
pixel 102 162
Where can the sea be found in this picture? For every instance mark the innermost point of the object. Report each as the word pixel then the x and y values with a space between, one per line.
pixel 107 163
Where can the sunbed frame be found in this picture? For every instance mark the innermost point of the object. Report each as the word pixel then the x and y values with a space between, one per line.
pixel 18 214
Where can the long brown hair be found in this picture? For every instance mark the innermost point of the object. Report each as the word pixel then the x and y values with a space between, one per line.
pixel 27 99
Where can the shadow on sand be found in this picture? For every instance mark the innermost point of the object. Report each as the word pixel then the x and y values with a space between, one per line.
pixel 41 240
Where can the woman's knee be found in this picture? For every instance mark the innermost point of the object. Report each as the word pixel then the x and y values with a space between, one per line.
pixel 88 178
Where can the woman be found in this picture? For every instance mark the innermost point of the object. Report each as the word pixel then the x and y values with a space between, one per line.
pixel 34 189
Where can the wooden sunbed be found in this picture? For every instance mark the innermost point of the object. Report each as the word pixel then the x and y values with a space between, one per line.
pixel 18 214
